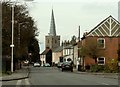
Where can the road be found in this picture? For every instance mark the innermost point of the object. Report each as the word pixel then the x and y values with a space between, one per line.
pixel 54 76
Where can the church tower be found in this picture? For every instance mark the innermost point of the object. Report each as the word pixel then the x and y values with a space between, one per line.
pixel 52 40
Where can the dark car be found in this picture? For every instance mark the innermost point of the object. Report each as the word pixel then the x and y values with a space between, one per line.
pixel 67 66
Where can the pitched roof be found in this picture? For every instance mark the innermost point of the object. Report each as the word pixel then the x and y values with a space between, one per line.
pixel 59 49
pixel 108 27
pixel 45 51
pixel 68 47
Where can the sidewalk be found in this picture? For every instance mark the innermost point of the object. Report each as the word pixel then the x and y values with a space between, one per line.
pixel 105 75
pixel 16 75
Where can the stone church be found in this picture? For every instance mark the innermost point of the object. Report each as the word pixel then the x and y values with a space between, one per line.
pixel 52 41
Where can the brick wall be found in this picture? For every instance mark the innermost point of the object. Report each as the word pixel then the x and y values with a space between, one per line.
pixel 109 52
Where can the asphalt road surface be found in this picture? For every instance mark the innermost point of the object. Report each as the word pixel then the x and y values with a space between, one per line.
pixel 54 76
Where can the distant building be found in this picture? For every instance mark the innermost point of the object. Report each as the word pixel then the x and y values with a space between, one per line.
pixel 68 49
pixel 119 11
pixel 57 55
pixel 52 42
pixel 46 56
pixel 76 54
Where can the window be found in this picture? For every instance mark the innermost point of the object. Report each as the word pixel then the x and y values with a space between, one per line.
pixel 101 61
pixel 101 43
pixel 64 59
pixel 48 41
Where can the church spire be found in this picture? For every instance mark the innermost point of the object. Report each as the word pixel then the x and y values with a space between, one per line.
pixel 52 25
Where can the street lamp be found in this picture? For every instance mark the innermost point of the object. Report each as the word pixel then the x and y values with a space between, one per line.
pixel 12 45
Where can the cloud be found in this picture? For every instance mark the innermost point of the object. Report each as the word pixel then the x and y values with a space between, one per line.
pixel 69 14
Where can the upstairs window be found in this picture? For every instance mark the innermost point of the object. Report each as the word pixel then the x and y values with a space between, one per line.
pixel 101 43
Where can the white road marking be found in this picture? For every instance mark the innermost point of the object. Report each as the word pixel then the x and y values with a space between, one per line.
pixel 105 84
pixel 18 83
pixel 27 82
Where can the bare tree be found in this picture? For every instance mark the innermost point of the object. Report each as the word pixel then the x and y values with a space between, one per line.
pixel 92 49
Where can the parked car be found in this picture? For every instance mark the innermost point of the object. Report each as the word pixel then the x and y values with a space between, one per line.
pixel 59 65
pixel 26 63
pixel 46 65
pixel 36 64
pixel 67 66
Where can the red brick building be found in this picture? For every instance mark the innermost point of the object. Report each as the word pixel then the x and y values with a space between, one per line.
pixel 102 43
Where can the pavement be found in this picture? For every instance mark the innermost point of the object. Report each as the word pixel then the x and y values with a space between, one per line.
pixel 105 75
pixel 17 74
pixel 24 73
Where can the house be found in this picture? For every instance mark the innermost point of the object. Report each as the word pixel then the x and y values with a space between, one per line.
pixel 46 56
pixel 101 43
pixel 76 54
pixel 57 55
pixel 67 50
pixel 68 53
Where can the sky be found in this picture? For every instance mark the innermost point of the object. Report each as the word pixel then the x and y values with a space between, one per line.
pixel 69 14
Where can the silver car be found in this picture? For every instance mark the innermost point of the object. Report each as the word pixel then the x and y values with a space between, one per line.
pixel 36 64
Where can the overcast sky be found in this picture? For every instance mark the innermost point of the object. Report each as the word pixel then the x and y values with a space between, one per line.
pixel 69 14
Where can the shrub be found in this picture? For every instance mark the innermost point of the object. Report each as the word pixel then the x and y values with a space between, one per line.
pixel 97 68
pixel 9 72
pixel 112 65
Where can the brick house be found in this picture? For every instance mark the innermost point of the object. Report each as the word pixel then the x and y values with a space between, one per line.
pixel 104 41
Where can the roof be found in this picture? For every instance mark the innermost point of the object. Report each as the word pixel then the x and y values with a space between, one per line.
pixel 45 51
pixel 108 27
pixel 68 47
pixel 59 49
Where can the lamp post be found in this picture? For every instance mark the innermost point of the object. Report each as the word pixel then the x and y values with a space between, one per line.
pixel 12 45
